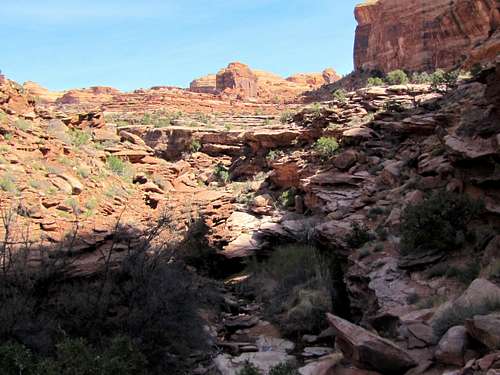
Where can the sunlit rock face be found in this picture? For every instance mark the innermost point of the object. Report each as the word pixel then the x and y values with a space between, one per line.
pixel 425 34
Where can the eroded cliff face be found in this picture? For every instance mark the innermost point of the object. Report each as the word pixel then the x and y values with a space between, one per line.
pixel 425 34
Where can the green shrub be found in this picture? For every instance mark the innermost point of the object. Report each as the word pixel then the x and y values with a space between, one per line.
pixel 301 287
pixel 83 171
pixel 340 95
pixel 287 198
pixel 421 78
pixel 466 273
pixel 79 137
pixel 274 154
pixel 375 81
pixel 438 223
pixel 326 147
pixel 249 369
pixel 359 236
pixel 284 369
pixel 437 78
pixel 221 174
pixel 195 145
pixel 119 167
pixel 397 77
pixel 287 117
pixel 8 183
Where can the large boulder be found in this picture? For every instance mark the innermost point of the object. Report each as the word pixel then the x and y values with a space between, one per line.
pixel 369 351
pixel 485 329
pixel 452 346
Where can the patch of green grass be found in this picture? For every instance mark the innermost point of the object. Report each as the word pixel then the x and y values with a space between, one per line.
pixel 340 95
pixel 287 198
pixel 91 204
pixel 221 174
pixel 120 167
pixel 8 183
pixel 35 184
pixel 195 145
pixel 274 154
pixel 7 137
pixel 79 137
pixel 287 117
pixel 83 171
pixel 375 81
pixel 326 147
pixel 23 124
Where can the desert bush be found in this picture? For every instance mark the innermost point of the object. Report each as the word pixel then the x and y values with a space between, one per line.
pixel 397 77
pixel 466 273
pixel 326 147
pixel 274 154
pixel 438 223
pixel 358 236
pixel 287 198
pixel 421 78
pixel 393 106
pixel 146 303
pixel 286 117
pixel 221 174
pixel 249 369
pixel 375 81
pixel 195 145
pixel 301 287
pixel 340 95
pixel 79 137
pixel 284 369
pixel 120 167
pixel 8 183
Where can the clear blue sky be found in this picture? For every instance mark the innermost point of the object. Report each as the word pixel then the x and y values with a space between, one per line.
pixel 129 44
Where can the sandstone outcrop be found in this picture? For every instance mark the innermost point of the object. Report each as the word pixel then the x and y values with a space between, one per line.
pixel 426 34
pixel 237 79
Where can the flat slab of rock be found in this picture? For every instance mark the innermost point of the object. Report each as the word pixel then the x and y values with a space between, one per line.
pixel 452 346
pixel 274 344
pixel 369 351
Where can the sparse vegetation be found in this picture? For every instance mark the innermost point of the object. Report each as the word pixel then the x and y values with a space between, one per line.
pixel 249 369
pixel 287 198
pixel 8 183
pixel 421 78
pixel 120 167
pixel 340 95
pixel 79 137
pixel 326 147
pixel 358 237
pixel 274 154
pixel 221 174
pixel 375 81
pixel 284 369
pixel 195 145
pixel 397 77
pixel 439 223
pixel 287 117
pixel 302 287
pixel 22 124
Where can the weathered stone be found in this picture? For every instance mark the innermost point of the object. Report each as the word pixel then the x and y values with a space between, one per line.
pixel 452 346
pixel 369 351
pixel 485 329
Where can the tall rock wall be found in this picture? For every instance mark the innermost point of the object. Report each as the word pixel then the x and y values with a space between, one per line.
pixel 425 34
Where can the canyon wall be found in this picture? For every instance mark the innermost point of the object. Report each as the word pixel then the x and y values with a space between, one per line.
pixel 425 34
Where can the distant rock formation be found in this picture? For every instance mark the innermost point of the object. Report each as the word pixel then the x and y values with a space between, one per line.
pixel 425 34
pixel 206 84
pixel 237 78
pixel 93 94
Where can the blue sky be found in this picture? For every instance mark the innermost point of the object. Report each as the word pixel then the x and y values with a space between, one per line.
pixel 130 44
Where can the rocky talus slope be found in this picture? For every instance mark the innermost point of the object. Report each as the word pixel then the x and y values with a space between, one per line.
pixel 425 34
pixel 72 179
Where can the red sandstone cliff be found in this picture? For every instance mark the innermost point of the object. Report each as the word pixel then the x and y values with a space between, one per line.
pixel 425 34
